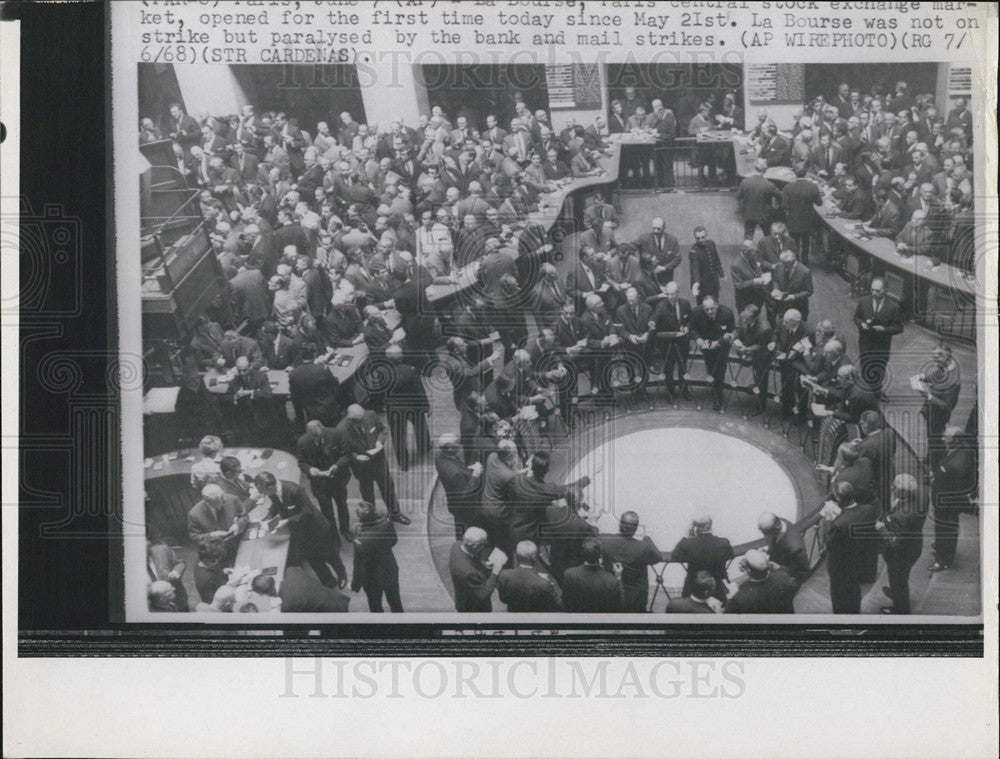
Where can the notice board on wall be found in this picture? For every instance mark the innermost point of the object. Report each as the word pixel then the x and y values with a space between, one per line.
pixel 776 82
pixel 576 85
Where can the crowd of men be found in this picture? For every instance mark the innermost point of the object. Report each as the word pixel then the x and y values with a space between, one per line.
pixel 894 163
pixel 331 240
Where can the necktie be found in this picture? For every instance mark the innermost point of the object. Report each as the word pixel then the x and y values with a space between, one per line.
pixel 151 568
pixel 659 242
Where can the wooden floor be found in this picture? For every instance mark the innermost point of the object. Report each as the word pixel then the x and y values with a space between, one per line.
pixel 423 546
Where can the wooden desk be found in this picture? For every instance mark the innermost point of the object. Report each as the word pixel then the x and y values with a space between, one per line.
pixel 168 484
pixel 283 465
pixel 883 249
pixel 552 208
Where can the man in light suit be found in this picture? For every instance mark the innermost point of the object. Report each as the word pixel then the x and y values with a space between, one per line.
pixel 664 248
pixel 217 515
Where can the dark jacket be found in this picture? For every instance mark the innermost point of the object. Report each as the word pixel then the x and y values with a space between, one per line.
pixel 757 197
pixel 788 550
pixel 704 552
pixel 591 589
pixel 772 595
pixel 375 565
pixel 888 316
pixel 799 199
pixel 635 556
pixel 689 605
pixel 524 589
pixel 473 581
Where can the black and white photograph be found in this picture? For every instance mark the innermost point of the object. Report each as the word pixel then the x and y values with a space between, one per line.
pixel 438 351
pixel 664 339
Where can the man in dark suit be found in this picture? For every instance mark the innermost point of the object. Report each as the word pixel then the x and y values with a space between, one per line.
pixel 250 399
pixel 634 323
pixel 634 556
pixel 234 345
pixel 363 436
pixel 887 221
pixel 855 202
pixel 250 298
pixel 955 485
pixel 877 318
pixel 697 603
pixel 523 588
pixel 714 328
pixel 472 578
pixel 663 122
pixel 184 130
pixel 375 568
pixel 942 383
pixel 585 279
pixel 232 480
pixel 406 402
pixel 279 350
pixel 769 248
pixel 315 394
pixel 245 163
pixel 767 589
pixel 757 198
pixel 311 538
pixel 749 282
pixel 162 565
pixel 799 200
pixel 590 588
pixel 461 484
pixel 791 287
pixel 706 267
pixel 531 495
pixel 324 460
pixel 664 249
pixel 564 531
pixel 825 156
pixel 878 445
pixel 902 531
pixel 701 550
pixel 602 342
pixel 846 548
pixel 784 546
pixel 774 148
pixel 670 325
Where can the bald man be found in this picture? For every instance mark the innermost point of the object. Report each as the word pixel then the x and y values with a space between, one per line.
pixel 217 515
pixel 784 545
pixel 523 588
pixel 323 458
pixel 248 407
pixel 768 589
pixel 364 435
pixel 472 578
pixel 664 248
pixel 634 555
pixel 701 550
